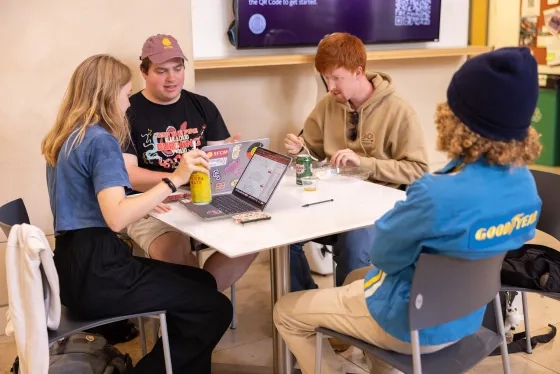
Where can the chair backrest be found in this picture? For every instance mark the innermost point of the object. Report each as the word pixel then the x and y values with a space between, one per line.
pixel 547 184
pixel 13 213
pixel 446 288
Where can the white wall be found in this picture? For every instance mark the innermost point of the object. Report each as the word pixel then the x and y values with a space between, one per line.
pixel 503 23
pixel 271 101
pixel 211 19
pixel 503 28
pixel 45 42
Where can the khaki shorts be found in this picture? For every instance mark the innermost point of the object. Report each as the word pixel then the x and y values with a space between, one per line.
pixel 146 230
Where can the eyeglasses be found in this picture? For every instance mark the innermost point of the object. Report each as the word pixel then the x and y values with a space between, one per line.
pixel 352 132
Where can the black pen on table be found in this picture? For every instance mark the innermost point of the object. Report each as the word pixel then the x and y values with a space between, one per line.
pixel 318 202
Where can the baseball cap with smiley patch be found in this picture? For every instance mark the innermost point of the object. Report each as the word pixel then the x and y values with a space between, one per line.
pixel 160 48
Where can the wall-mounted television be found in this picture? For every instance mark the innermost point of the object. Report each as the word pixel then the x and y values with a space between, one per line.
pixel 298 23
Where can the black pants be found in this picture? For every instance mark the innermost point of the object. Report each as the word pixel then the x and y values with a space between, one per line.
pixel 99 277
pixel 300 272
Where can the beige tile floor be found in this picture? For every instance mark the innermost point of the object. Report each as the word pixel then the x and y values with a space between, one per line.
pixel 250 343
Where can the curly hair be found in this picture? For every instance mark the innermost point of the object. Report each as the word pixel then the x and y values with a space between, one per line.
pixel 458 141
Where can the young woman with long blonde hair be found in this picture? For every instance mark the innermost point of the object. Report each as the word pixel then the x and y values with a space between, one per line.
pixel 87 182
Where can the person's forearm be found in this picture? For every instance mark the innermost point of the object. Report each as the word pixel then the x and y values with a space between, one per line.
pixel 393 171
pixel 142 179
pixel 134 208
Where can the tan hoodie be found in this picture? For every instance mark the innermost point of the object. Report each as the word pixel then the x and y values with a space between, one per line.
pixel 390 141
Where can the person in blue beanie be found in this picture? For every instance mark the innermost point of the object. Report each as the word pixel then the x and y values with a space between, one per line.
pixel 484 202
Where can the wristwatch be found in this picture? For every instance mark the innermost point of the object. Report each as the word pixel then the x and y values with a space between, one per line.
pixel 170 184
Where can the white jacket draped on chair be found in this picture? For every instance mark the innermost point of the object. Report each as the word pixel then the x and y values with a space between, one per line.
pixel 33 296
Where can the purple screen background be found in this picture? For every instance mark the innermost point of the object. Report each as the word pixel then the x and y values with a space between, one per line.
pixel 373 21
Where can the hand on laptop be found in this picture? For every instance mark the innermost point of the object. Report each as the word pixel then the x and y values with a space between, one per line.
pixel 293 144
pixel 162 208
pixel 233 139
pixel 195 160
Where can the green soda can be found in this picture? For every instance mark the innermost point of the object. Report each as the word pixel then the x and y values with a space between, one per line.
pixel 303 168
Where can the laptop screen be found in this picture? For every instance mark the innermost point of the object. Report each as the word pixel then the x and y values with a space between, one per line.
pixel 262 176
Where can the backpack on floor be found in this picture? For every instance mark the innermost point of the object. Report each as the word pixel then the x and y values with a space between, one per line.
pixel 85 353
pixel 518 340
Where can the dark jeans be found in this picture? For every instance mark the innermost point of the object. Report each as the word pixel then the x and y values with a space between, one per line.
pixel 99 278
pixel 300 273
pixel 351 252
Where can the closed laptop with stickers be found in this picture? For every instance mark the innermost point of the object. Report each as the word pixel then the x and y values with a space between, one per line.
pixel 227 162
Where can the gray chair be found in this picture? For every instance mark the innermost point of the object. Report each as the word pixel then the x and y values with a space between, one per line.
pixel 547 188
pixel 14 213
pixel 443 289
pixel 549 223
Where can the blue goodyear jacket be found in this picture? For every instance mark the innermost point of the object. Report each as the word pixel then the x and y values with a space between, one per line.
pixel 477 212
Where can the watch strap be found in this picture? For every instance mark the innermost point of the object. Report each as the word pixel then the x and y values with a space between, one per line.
pixel 170 184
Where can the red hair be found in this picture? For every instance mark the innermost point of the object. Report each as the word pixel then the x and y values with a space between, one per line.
pixel 340 50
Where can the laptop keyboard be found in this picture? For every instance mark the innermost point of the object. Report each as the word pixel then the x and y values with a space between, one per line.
pixel 230 205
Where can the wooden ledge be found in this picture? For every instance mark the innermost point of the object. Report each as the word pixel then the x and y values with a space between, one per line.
pixel 297 59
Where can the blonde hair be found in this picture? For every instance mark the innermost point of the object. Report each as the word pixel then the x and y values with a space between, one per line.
pixel 458 141
pixel 91 98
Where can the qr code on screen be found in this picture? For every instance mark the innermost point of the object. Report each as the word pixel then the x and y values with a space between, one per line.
pixel 413 12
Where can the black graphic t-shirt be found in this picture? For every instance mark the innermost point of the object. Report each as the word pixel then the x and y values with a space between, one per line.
pixel 162 133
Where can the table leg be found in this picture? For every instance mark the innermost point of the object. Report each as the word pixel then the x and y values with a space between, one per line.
pixel 280 285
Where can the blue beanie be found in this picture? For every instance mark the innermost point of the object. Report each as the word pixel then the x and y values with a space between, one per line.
pixel 495 94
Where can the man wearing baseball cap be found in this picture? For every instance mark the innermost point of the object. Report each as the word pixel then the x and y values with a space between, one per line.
pixel 161 48
pixel 167 121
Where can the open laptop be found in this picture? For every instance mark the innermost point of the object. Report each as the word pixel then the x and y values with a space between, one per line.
pixel 227 162
pixel 252 192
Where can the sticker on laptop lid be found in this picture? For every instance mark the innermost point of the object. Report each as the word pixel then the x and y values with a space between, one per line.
pixel 216 174
pixel 233 168
pixel 253 148
pixel 236 151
